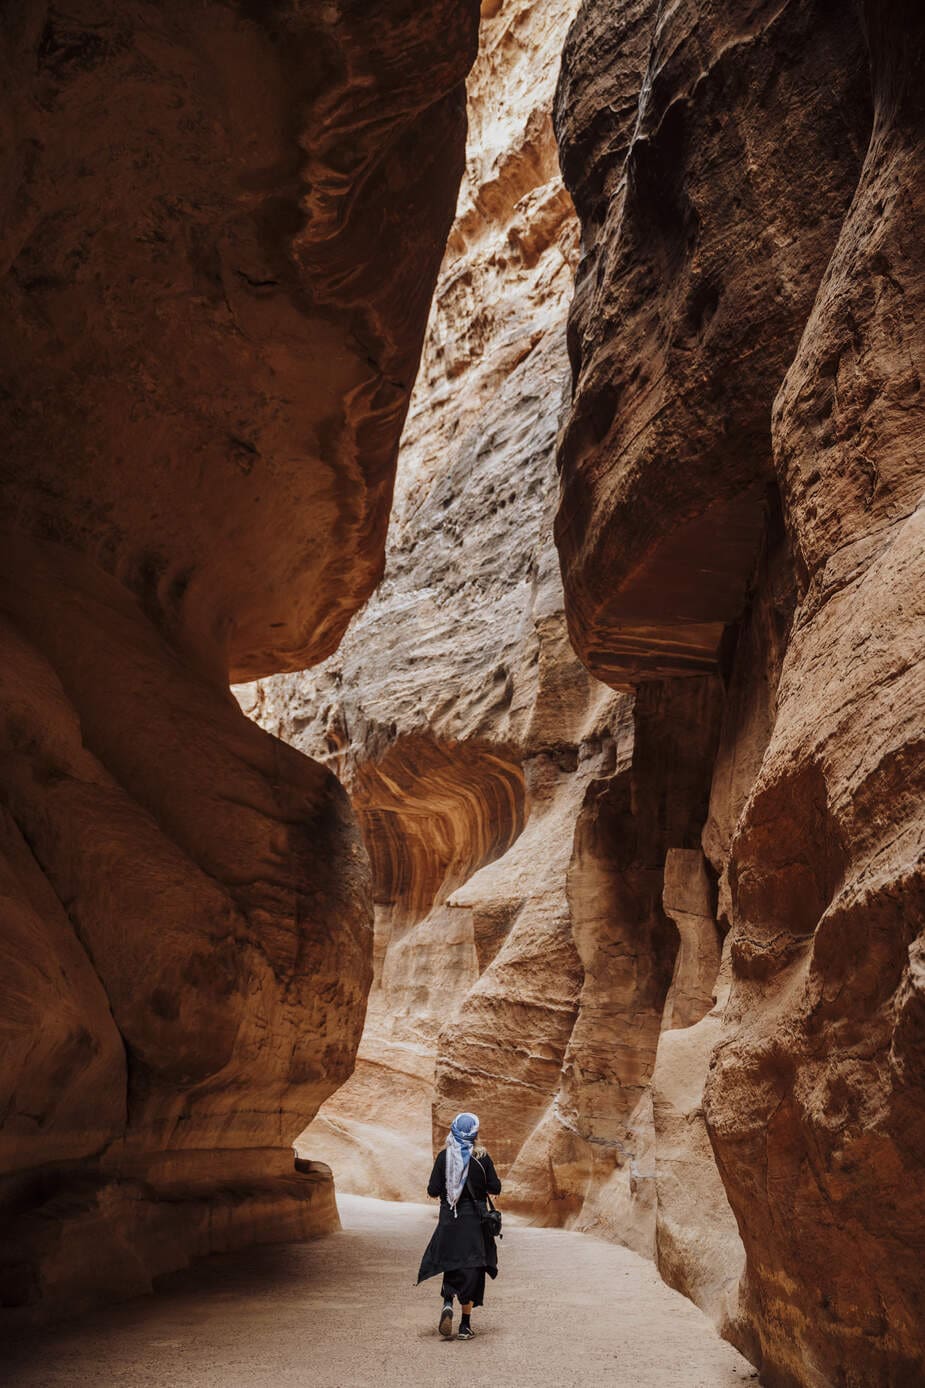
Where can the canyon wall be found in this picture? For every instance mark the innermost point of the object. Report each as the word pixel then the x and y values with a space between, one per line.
pixel 516 812
pixel 655 909
pixel 741 509
pixel 221 226
pixel 665 941
pixel 475 746
pixel 454 709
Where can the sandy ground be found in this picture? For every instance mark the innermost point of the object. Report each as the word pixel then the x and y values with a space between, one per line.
pixel 343 1311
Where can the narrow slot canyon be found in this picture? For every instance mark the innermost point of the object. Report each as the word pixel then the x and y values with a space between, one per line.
pixel 463 615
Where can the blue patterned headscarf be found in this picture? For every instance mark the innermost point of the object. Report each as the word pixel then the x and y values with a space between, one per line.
pixel 459 1145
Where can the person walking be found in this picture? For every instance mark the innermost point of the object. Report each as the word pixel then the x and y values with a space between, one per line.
pixel 463 1176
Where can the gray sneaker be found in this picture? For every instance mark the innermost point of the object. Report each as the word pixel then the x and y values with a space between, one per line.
pixel 446 1320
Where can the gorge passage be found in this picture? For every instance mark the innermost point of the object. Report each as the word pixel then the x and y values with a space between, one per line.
pixel 610 799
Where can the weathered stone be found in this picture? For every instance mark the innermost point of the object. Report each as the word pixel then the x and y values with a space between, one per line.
pixel 698 1249
pixel 741 493
pixel 687 898
pixel 470 738
pixel 701 266
pixel 220 229
pixel 598 1140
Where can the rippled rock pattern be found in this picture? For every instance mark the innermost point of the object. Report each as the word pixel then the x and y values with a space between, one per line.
pixel 741 501
pixel 220 228
pixel 471 740
pixel 516 815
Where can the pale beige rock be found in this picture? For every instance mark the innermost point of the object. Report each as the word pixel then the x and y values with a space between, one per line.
pixel 829 905
pixel 687 898
pixel 376 1129
pixel 470 738
pixel 502 1053
pixel 698 1249
pixel 596 1145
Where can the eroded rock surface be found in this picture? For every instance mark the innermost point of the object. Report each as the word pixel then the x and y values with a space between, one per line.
pixel 481 758
pixel 742 486
pixel 221 226
pixel 517 814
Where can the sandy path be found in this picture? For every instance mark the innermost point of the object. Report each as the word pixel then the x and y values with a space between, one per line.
pixel 342 1311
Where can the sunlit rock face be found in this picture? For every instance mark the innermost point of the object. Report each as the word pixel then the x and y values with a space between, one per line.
pixel 488 770
pixel 221 226
pixel 742 483
pixel 516 812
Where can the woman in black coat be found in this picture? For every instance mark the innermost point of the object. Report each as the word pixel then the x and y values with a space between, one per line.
pixel 463 1177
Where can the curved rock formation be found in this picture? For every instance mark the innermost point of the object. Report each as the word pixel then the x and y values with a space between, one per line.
pixel 471 740
pixel 741 496
pixel 221 226
pixel 596 1148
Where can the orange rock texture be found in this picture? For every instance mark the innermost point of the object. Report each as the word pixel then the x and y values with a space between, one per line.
pixel 741 504
pixel 221 226
pixel 516 814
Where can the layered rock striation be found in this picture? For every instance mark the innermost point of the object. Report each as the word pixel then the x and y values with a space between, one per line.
pixel 221 226
pixel 741 505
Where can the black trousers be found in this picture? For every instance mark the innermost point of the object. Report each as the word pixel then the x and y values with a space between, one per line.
pixel 466 1284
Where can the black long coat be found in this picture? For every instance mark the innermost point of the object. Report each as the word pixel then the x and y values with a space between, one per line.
pixel 458 1241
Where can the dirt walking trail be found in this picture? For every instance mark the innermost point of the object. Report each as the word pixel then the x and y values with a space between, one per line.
pixel 343 1311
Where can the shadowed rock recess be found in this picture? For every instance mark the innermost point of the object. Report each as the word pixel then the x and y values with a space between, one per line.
pixel 221 225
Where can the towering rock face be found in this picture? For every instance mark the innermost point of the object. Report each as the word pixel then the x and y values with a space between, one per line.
pixel 221 226
pixel 742 484
pixel 516 813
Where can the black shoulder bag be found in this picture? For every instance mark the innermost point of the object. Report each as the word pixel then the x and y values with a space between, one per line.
pixel 490 1217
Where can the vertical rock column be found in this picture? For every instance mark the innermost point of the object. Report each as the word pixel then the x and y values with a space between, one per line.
pixel 698 1249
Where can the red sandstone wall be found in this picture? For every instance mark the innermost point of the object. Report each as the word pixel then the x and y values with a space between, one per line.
pixel 741 495
pixel 220 227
